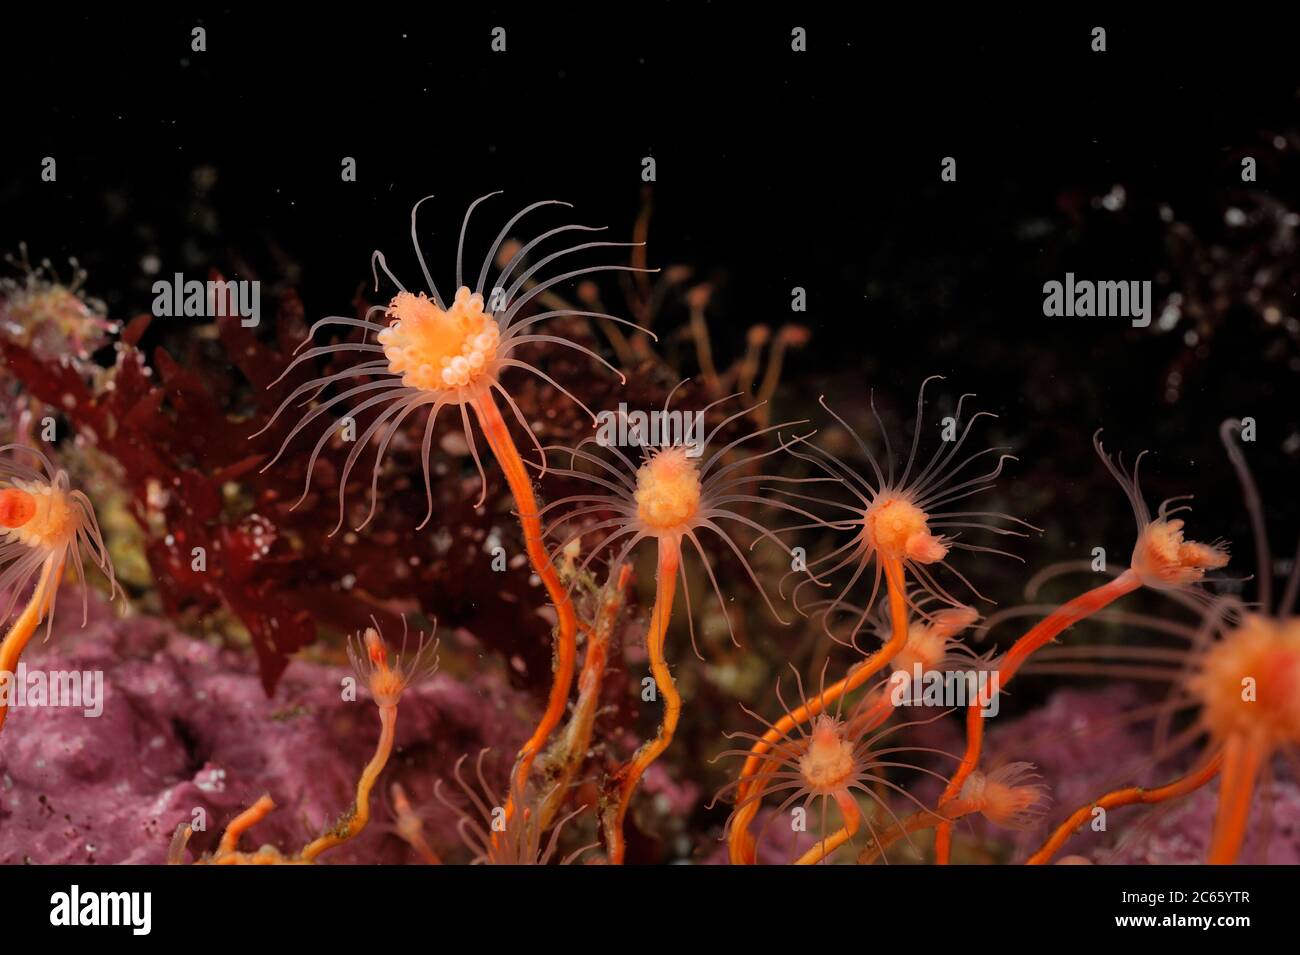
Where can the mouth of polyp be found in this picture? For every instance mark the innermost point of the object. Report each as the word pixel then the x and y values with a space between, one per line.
pixel 898 529
pixel 668 490
pixel 436 349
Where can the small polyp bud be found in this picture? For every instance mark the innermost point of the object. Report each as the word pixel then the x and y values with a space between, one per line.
pixel 386 681
pixel 925 548
pixel 897 528
pixel 1162 558
pixel 1007 796
pixel 953 620
pixel 375 648
pixel 795 336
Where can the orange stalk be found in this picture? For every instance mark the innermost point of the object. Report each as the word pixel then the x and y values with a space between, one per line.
pixel 918 821
pixel 243 822
pixel 627 778
pixel 409 826
pixel 1129 796
pixel 741 845
pixel 357 819
pixel 1038 636
pixel 569 751
pixel 566 642
pixel 1242 759
pixel 852 820
pixel 20 634
pixel 872 716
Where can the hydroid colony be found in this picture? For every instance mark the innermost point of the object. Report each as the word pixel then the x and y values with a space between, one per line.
pixel 898 589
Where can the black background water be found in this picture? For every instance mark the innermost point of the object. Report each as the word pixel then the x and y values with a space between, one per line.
pixel 774 169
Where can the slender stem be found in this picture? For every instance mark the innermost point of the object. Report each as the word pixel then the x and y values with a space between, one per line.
pixel 916 822
pixel 852 820
pixel 741 846
pixel 871 713
pixel 1130 796
pixel 242 823
pixel 626 779
pixel 566 638
pixel 870 716
pixel 1242 759
pixel 20 634
pixel 409 826
pixel 1038 636
pixel 357 819
pixel 568 752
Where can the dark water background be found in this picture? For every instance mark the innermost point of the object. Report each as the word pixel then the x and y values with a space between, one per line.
pixel 774 169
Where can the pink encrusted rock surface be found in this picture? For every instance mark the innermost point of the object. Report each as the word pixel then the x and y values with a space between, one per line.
pixel 187 728
pixel 1083 747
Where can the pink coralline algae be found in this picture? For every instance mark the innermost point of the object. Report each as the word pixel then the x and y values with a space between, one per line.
pixel 188 734
pixel 1078 739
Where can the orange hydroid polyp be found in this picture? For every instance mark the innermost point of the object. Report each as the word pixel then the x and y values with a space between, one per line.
pixel 45 525
pixel 832 761
pixel 911 511
pixel 668 490
pixel 388 681
pixel 1006 796
pixel 827 763
pixel 429 355
pixel 899 529
pixel 1163 558
pixel 1249 682
pixel 434 349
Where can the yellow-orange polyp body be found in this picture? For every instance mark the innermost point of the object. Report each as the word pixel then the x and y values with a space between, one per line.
pixel 925 645
pixel 1163 558
pixel 1005 796
pixel 668 491
pixel 1249 682
pixel 38 515
pixel 386 684
pixel 440 350
pixel 898 529
pixel 828 764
